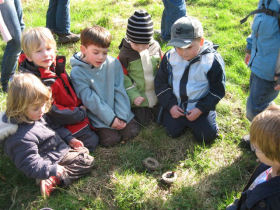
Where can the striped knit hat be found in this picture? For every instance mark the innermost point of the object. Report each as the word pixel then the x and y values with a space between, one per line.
pixel 140 27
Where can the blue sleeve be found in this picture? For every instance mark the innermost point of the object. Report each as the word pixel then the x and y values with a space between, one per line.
pixel 122 103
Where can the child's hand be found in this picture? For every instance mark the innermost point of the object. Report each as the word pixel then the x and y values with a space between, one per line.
pixel 83 107
pixel 118 124
pixel 277 86
pixel 247 58
pixel 75 143
pixel 193 114
pixel 139 47
pixel 138 100
pixel 176 111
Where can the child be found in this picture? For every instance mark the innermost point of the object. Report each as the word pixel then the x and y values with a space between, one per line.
pixel 98 81
pixel 140 57
pixel 36 145
pixel 190 82
pixel 40 59
pixel 263 58
pixel 263 189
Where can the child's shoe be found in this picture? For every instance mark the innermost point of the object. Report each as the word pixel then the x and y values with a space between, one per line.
pixel 48 185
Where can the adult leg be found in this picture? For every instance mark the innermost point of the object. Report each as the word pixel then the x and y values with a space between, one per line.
pixel 173 10
pixel 262 93
pixel 11 11
pixel 108 137
pixel 205 128
pixel 51 15
pixel 88 137
pixel 174 126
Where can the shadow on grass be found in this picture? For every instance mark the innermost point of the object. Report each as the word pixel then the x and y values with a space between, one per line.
pixel 120 181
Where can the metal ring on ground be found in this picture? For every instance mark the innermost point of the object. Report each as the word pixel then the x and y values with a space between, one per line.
pixel 169 177
pixel 150 163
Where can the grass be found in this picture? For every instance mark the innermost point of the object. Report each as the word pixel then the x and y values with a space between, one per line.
pixel 209 177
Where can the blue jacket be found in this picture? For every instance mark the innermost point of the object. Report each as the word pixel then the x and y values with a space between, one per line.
pixel 101 91
pixel 35 148
pixel 264 196
pixel 203 84
pixel 264 42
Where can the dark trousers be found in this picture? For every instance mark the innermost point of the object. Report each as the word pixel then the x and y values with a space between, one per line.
pixel 204 128
pixel 145 115
pixel 110 137
pixel 77 163
pixel 88 137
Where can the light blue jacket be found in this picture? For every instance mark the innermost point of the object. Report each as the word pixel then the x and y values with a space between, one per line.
pixel 101 91
pixel 264 42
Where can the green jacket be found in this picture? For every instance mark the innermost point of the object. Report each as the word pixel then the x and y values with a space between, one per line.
pixel 139 80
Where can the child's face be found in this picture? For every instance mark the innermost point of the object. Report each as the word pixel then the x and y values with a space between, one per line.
pixel 139 47
pixel 262 157
pixel 94 55
pixel 191 51
pixel 44 56
pixel 35 112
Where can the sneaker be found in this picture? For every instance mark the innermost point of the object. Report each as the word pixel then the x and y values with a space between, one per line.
pixel 68 38
pixel 48 185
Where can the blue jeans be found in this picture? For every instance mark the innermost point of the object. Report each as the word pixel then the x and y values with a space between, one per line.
pixel 262 93
pixel 58 16
pixel 204 128
pixel 173 10
pixel 11 11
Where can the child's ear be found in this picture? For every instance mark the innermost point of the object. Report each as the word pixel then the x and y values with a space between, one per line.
pixel 83 49
pixel 201 41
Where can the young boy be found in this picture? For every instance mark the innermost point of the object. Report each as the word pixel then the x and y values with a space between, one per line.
pixel 140 56
pixel 98 81
pixel 190 82
pixel 263 189
pixel 36 145
pixel 40 59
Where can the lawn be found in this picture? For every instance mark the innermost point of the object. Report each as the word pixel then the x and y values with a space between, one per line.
pixel 209 176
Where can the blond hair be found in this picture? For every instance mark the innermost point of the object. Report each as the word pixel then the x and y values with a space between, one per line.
pixel 32 39
pixel 24 91
pixel 265 132
pixel 96 35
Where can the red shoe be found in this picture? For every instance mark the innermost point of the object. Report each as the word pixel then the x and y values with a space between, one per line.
pixel 48 185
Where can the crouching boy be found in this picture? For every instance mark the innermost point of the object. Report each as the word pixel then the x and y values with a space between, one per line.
pixel 98 82
pixel 190 82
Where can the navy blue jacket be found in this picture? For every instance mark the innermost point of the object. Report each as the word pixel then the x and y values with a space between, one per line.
pixel 264 196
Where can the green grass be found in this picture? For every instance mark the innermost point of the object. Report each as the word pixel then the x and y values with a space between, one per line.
pixel 209 177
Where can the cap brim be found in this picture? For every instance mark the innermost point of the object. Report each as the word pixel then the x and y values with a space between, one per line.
pixel 179 43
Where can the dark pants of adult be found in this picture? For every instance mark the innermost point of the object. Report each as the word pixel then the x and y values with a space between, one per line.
pixel 204 128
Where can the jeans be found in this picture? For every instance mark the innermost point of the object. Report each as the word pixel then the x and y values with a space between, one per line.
pixel 58 16
pixel 173 10
pixel 12 14
pixel 204 128
pixel 262 93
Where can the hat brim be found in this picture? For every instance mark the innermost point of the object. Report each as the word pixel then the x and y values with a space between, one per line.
pixel 179 43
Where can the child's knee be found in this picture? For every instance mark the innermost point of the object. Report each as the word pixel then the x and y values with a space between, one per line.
pixel 131 130
pixel 206 136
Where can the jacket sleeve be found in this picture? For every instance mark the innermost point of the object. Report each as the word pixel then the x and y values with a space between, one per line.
pixel 90 98
pixel 249 44
pixel 25 155
pixel 216 78
pixel 122 103
pixel 67 115
pixel 131 89
pixel 64 133
pixel 163 90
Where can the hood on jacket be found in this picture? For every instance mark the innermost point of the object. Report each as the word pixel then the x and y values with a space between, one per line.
pixel 6 128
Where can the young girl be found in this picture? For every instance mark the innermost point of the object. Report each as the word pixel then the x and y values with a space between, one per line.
pixel 35 144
